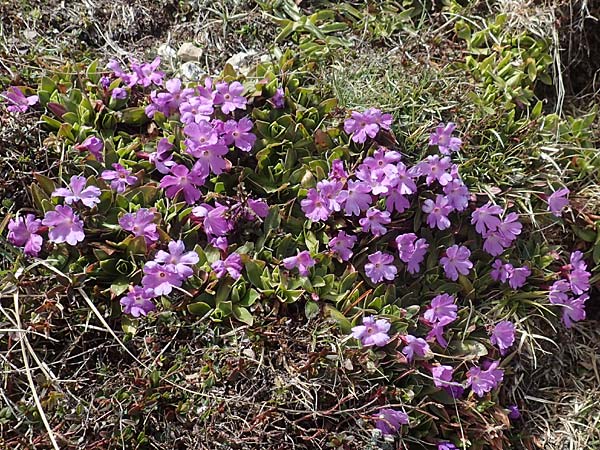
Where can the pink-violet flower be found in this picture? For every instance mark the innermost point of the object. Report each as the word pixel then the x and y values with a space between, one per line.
pixel 456 261
pixel 239 134
pixel 231 265
pixel 22 232
pixel 483 381
pixel 411 250
pixel 138 302
pixel 437 212
pixel 389 421
pixel 579 277
pixel 367 124
pixel 140 223
pixel 415 347
pixel 443 309
pixel 372 332
pixel 78 192
pixel 302 261
pixel 442 137
pixel 503 336
pixel 380 267
pixel 557 201
pixel 485 218
pixel 181 179
pixel 374 221
pixel 356 198
pixel 162 157
pixel 119 178
pixel 214 219
pixel 342 244
pixel 94 145
pixel 161 278
pixel 434 168
pixel 315 207
pixel 230 97
pixel 65 225
pixel 17 101
pixel 181 260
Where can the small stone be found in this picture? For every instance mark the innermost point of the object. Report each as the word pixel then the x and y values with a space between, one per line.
pixel 165 51
pixel 191 71
pixel 189 52
pixel 240 60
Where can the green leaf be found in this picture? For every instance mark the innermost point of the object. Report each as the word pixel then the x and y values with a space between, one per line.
pixel 45 183
pixel 119 287
pixel 340 319
pixel 243 315
pixel 254 269
pixel 129 325
pixel 273 219
pixel 134 116
pixel 199 309
pixel 311 310
pixel 471 347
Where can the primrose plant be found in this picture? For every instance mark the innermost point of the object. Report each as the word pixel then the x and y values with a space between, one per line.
pixel 226 198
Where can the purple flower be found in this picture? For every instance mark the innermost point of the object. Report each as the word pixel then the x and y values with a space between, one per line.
pixel 303 261
pixel 160 278
pixel 557 294
pixel 342 244
pixel 238 133
pixel 411 250
pixel 17 102
pixel 434 168
pixel 443 309
pixel 500 271
pixel 482 381
pixel 278 99
pixel 22 232
pixel 315 207
pixel 517 277
pixel 457 194
pixel 372 332
pixel 104 82
pixel 361 125
pixel 485 218
pixel 495 243
pixel 183 180
pixel 437 212
pixel 337 172
pixel 442 378
pixel 442 137
pixel 219 243
pixel 210 157
pixel 196 109
pixel 215 221
pixel 389 421
pixel 396 202
pixel 93 145
pixel 456 261
pixel 574 310
pixel 65 225
pixel 446 446
pixel 380 267
pixel 140 223
pixel 148 73
pixel 330 191
pixel 415 346
pixel 129 79
pixel 178 258
pixel 437 333
pixel 510 227
pixel 513 412
pixel 375 221
pixel 119 178
pixel 232 265
pixel 201 134
pixel 503 336
pixel 230 97
pixel 162 158
pixel 119 93
pixel 557 201
pixel 356 198
pixel 579 277
pixel 138 301
pixel 78 192
pixel 259 207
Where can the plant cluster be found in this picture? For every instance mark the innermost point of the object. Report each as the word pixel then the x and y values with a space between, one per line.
pixel 236 197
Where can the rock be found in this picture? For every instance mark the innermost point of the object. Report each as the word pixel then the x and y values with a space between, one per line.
pixel 189 52
pixel 240 60
pixel 191 71
pixel 165 51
